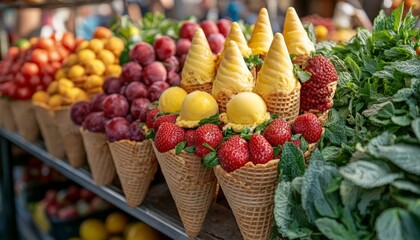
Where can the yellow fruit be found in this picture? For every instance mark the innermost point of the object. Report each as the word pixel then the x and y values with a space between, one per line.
pixel 116 222
pixel 55 101
pixel 76 71
pixel 52 88
pixel 60 74
pixel 63 85
pixel 92 229
pixel 71 60
pixel 40 97
pixel 106 56
pixel 95 67
pixel 85 56
pixel 115 45
pixel 93 81
pixel 321 32
pixel 83 45
pixel 113 70
pixel 141 231
pixel 96 45
pixel 81 96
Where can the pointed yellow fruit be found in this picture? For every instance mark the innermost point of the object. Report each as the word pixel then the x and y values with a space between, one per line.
pixel 233 74
pixel 295 36
pixel 262 35
pixel 237 35
pixel 276 74
pixel 199 66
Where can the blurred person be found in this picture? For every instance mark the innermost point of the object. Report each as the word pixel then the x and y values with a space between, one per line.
pixel 86 21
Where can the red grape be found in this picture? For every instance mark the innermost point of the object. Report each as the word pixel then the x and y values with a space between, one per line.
pixel 154 72
pixel 139 108
pixel 115 105
pixel 156 89
pixel 164 47
pixel 182 46
pixel 135 90
pixel 216 41
pixel 188 29
pixel 171 64
pixel 96 102
pixel 209 27
pixel 112 85
pixel 174 79
pixel 79 112
pixel 131 72
pixel 95 122
pixel 143 53
pixel 117 129
pixel 224 26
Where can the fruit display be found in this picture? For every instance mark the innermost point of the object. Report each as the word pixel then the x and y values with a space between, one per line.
pixel 84 72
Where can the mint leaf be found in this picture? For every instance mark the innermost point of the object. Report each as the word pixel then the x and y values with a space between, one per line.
pixel 210 160
pixel 303 144
pixel 415 125
pixel 334 230
pixel 283 206
pixel 368 174
pixel 302 75
pixel 292 162
pixel 179 147
pixel 406 186
pixel 404 120
pixel 354 68
pixel 190 149
pixel 409 67
pixel 213 119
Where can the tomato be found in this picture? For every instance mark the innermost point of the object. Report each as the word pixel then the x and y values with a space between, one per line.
pixel 39 56
pixel 45 43
pixel 47 69
pixel 46 80
pixel 54 56
pixel 40 88
pixel 30 69
pixel 68 41
pixel 33 41
pixel 55 65
pixel 12 53
pixel 63 53
pixel 20 80
pixel 15 68
pixel 35 81
pixel 23 93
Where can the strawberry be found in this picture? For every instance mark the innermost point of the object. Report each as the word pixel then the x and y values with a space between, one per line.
pixel 309 126
pixel 190 138
pixel 296 142
pixel 210 134
pixel 315 93
pixel 150 117
pixel 277 132
pixel 168 136
pixel 165 118
pixel 260 150
pixel 233 153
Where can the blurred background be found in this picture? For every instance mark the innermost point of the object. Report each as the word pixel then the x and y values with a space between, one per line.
pixel 82 20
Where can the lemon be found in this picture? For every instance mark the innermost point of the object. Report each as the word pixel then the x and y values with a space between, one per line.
pixel 116 222
pixel 106 56
pixel 96 45
pixel 85 56
pixel 141 231
pixel 92 229
pixel 40 97
pixel 95 67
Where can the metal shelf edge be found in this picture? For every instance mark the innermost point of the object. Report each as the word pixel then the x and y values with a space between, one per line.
pixel 150 217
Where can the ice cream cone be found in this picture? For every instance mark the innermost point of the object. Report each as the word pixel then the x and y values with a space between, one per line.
pixel 296 38
pixel 24 116
pixel 136 166
pixel 72 140
pixel 285 105
pixel 205 87
pixel 191 185
pixel 250 193
pixel 200 66
pixel 98 156
pixel 49 131
pixel 262 35
pixel 236 35
pixel 323 115
pixel 6 116
pixel 232 77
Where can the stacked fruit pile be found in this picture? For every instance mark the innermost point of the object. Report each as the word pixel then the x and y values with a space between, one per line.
pixel 25 71
pixel 84 72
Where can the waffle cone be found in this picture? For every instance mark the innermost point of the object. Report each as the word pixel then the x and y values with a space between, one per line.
pixel 205 87
pixel 287 106
pixel 72 140
pixel 191 186
pixel 300 59
pixel 323 115
pixel 49 131
pixel 250 193
pixel 24 116
pixel 6 116
pixel 222 98
pixel 98 156
pixel 136 166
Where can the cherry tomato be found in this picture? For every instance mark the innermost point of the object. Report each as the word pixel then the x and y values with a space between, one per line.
pixel 30 69
pixel 35 81
pixel 39 56
pixel 68 41
pixel 23 93
pixel 45 43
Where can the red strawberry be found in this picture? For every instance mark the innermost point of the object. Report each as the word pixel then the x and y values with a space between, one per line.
pixel 168 136
pixel 233 153
pixel 309 126
pixel 278 132
pixel 296 142
pixel 190 138
pixel 150 117
pixel 260 150
pixel 210 134
pixel 315 93
pixel 165 118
